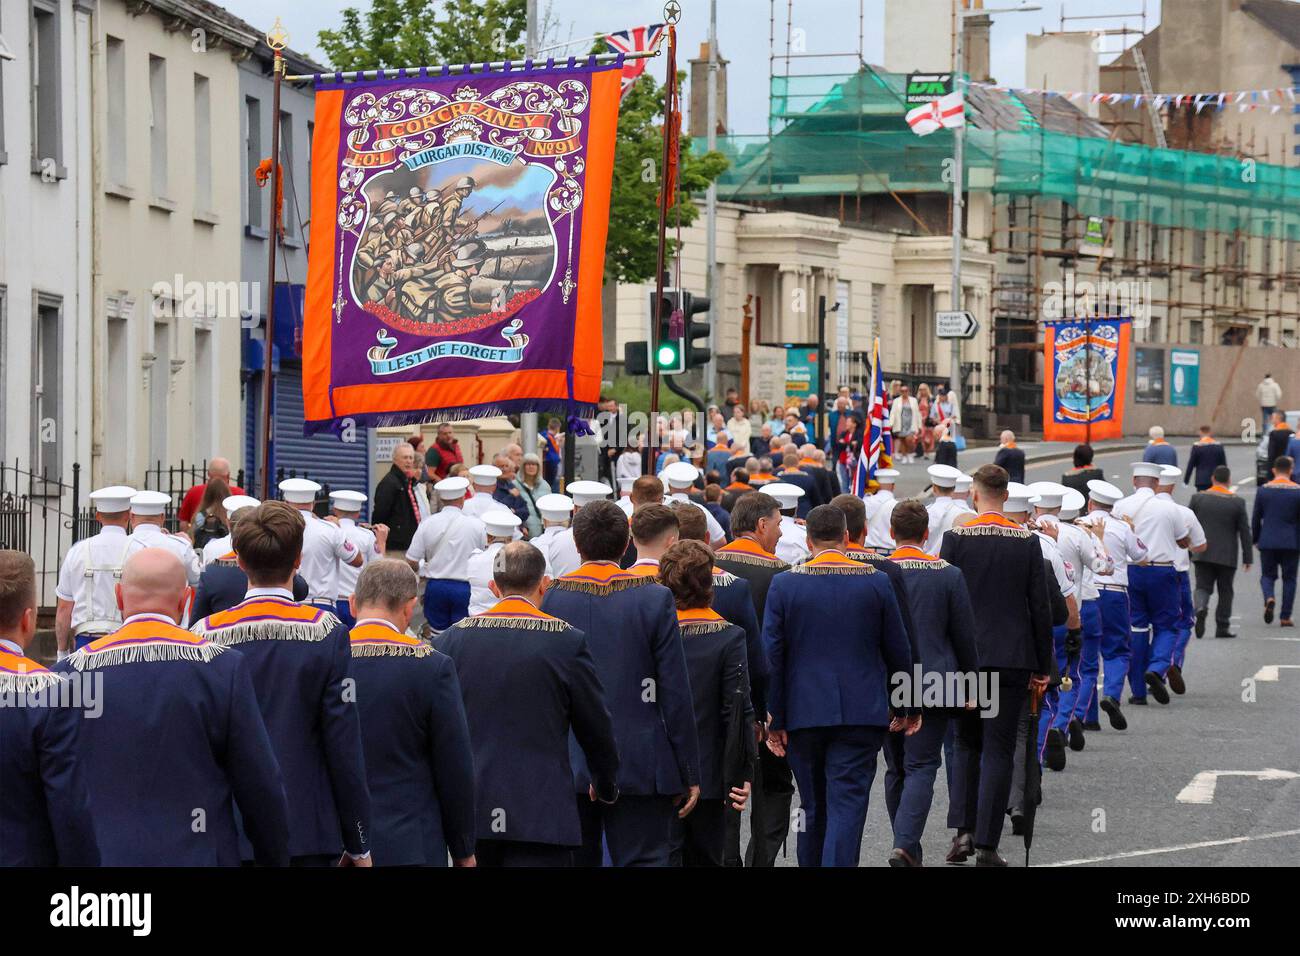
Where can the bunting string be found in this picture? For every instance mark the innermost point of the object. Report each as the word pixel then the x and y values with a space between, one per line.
pixel 1244 101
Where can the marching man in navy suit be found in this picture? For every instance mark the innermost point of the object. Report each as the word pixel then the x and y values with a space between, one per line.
pixel 833 636
pixel 180 741
pixel 1005 577
pixel 44 809
pixel 529 682
pixel 418 761
pixel 298 656
pixel 631 626
pixel 1275 529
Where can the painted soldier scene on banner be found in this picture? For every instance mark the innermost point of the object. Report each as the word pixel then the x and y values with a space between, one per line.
pixel 453 240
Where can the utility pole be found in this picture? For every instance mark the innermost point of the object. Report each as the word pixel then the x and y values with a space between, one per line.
pixel 528 420
pixel 959 174
pixel 711 209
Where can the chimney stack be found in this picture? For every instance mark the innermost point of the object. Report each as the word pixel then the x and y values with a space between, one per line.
pixel 699 106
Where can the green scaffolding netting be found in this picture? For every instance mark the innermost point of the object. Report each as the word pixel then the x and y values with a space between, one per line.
pixel 846 134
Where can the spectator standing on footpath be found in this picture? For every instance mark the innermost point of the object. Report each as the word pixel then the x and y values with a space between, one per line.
pixel 218 470
pixel 1222 513
pixel 1269 394
pixel 442 454
pixel 905 422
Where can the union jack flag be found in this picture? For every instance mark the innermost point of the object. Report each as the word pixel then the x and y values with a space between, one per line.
pixel 879 449
pixel 635 40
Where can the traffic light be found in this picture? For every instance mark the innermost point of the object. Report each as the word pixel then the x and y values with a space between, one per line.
pixel 677 349
pixel 697 354
pixel 669 356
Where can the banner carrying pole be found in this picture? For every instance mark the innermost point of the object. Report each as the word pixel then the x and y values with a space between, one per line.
pixel 495 65
pixel 670 82
pixel 277 39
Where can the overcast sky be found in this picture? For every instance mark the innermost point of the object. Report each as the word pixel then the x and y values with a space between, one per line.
pixel 830 26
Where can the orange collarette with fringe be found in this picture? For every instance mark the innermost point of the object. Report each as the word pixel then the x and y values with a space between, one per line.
pixel 259 608
pixel 746 546
pixel 11 663
pixel 993 518
pixel 145 632
pixel 690 615
pixel 1282 483
pixel 1220 490
pixel 645 570
pixel 909 553
pixel 379 634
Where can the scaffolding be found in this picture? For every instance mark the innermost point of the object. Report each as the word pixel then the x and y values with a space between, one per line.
pixel 1210 239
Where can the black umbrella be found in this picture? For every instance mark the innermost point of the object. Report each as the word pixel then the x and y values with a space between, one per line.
pixel 740 751
pixel 1033 769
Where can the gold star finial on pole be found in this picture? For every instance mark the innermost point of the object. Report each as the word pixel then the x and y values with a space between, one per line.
pixel 277 38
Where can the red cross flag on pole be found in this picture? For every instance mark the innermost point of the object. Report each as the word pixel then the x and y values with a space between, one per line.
pixel 944 113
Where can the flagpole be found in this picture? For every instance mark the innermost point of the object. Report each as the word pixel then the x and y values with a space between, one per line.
pixel 958 159
pixel 655 320
pixel 277 39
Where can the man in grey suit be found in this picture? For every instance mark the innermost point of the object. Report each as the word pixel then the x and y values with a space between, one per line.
pixel 1222 513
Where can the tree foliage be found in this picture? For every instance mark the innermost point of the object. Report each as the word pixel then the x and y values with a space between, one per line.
pixel 395 33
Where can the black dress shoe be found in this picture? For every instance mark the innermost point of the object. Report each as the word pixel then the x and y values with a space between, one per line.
pixel 1137 701
pixel 1175 678
pixel 901 858
pixel 1017 824
pixel 1054 751
pixel 1223 634
pixel 962 849
pixel 1075 730
pixel 1268 610
pixel 1116 716
pixel 988 858
pixel 1157 687
pixel 1200 624
pixel 1091 725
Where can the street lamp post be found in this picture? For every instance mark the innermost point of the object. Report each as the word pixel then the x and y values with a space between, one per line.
pixel 959 176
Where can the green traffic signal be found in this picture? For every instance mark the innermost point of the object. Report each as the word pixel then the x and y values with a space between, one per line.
pixel 667 356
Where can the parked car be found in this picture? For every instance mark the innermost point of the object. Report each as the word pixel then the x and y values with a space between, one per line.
pixel 1263 474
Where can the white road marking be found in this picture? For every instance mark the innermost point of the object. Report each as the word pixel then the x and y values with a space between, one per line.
pixel 1131 854
pixel 1201 789
pixel 1270 672
pixel 1280 639
pixel 1246 481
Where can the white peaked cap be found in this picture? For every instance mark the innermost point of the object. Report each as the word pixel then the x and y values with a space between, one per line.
pixel 886 476
pixel 347 500
pixel 499 522
pixel 451 488
pixel 485 474
pixel 1073 504
pixel 964 483
pixel 585 492
pixel 625 485
pixel 943 476
pixel 113 500
pixel 1169 474
pixel 680 474
pixel 1049 493
pixel 1103 492
pixel 148 503
pixel 786 494
pixel 555 507
pixel 235 503
pixel 1018 498
pixel 1146 469
pixel 299 491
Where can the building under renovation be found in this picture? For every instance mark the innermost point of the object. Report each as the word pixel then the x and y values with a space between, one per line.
pixel 1066 214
